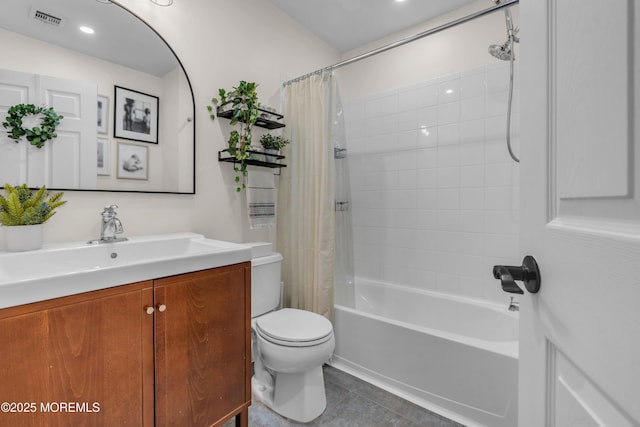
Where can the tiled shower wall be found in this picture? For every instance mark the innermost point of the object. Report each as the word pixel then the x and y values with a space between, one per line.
pixel 435 195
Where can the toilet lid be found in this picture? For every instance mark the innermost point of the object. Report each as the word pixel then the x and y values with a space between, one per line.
pixel 292 326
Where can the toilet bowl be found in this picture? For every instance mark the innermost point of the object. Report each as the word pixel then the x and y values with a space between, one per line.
pixel 289 346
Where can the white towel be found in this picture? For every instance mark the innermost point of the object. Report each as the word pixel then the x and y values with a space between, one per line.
pixel 261 199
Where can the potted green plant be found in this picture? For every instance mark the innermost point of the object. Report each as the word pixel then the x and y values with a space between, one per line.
pixel 22 212
pixel 242 103
pixel 36 135
pixel 272 144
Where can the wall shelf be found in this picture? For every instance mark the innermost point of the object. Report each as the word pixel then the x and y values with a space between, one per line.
pixel 258 158
pixel 263 122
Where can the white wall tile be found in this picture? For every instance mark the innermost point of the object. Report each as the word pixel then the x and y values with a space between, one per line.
pixel 472 221
pixel 428 95
pixel 427 137
pixel 472 176
pixel 449 113
pixel 449 89
pixel 472 84
pixel 472 154
pixel 472 131
pixel 495 127
pixel 448 177
pixel 408 120
pixel 407 160
pixel 407 99
pixel 448 198
pixel 407 140
pixel 389 104
pixel 472 198
pixel 427 158
pixel 448 155
pixel 497 78
pixel 426 199
pixel 472 108
pixel 372 109
pixel 426 178
pixel 389 123
pixel 449 134
pixel 496 103
pixel 428 116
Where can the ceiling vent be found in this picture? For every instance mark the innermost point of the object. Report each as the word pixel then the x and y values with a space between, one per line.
pixel 42 16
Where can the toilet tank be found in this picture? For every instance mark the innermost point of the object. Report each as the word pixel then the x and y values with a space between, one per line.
pixel 265 278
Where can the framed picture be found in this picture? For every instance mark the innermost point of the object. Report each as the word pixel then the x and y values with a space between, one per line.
pixel 133 161
pixel 103 114
pixel 104 156
pixel 135 115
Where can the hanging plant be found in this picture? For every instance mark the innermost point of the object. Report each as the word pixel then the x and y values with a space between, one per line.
pixel 37 135
pixel 242 102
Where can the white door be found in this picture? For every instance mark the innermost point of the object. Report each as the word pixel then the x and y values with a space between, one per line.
pixel 70 161
pixel 580 170
pixel 15 88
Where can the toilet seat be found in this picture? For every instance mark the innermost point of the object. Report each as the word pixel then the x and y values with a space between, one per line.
pixel 294 328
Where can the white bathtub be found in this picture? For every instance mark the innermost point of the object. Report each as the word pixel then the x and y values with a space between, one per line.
pixel 457 357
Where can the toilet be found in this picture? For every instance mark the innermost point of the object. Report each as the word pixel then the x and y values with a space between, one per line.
pixel 289 346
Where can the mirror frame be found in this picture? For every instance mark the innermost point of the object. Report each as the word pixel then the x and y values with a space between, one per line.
pixel 193 121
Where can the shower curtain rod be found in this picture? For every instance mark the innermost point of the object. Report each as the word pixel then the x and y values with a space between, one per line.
pixel 402 42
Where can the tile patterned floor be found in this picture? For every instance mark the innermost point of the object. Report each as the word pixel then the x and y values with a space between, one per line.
pixel 352 402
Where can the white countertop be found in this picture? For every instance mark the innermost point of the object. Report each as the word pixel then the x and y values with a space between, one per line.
pixel 71 268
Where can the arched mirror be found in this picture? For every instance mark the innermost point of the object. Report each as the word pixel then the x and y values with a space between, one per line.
pixel 127 102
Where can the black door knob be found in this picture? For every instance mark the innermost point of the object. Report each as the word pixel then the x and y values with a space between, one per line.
pixel 528 273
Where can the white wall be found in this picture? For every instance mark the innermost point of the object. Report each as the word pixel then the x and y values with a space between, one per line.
pixel 449 51
pixel 434 193
pixel 219 43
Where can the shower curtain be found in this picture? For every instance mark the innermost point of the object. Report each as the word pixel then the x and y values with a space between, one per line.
pixel 306 198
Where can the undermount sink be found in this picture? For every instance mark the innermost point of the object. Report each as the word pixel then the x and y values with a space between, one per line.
pixel 69 268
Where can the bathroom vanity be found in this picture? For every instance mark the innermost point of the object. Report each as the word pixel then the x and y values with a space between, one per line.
pixel 170 350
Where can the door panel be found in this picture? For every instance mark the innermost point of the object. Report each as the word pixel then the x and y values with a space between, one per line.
pixel 15 88
pixel 201 346
pixel 579 352
pixel 72 161
pixel 85 349
pixel 588 42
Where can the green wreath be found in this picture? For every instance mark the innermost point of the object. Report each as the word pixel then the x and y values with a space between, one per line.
pixel 36 135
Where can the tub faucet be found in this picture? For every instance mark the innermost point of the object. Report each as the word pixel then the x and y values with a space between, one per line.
pixel 110 226
pixel 514 305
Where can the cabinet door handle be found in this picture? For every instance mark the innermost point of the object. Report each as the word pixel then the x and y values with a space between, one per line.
pixel 162 308
pixel 149 310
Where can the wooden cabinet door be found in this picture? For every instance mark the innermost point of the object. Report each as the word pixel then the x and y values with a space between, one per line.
pixel 202 338
pixel 78 360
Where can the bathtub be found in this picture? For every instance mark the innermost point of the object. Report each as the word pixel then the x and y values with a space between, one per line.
pixel 454 356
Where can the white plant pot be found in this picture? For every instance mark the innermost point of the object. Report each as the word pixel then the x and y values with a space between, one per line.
pixel 271 156
pixel 21 238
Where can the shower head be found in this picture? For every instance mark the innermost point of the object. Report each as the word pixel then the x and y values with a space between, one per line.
pixel 504 51
pixel 501 51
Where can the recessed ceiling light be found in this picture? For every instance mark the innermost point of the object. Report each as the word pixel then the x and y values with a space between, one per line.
pixel 86 29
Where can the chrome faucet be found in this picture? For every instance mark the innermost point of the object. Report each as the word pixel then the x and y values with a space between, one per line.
pixel 110 226
pixel 514 305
